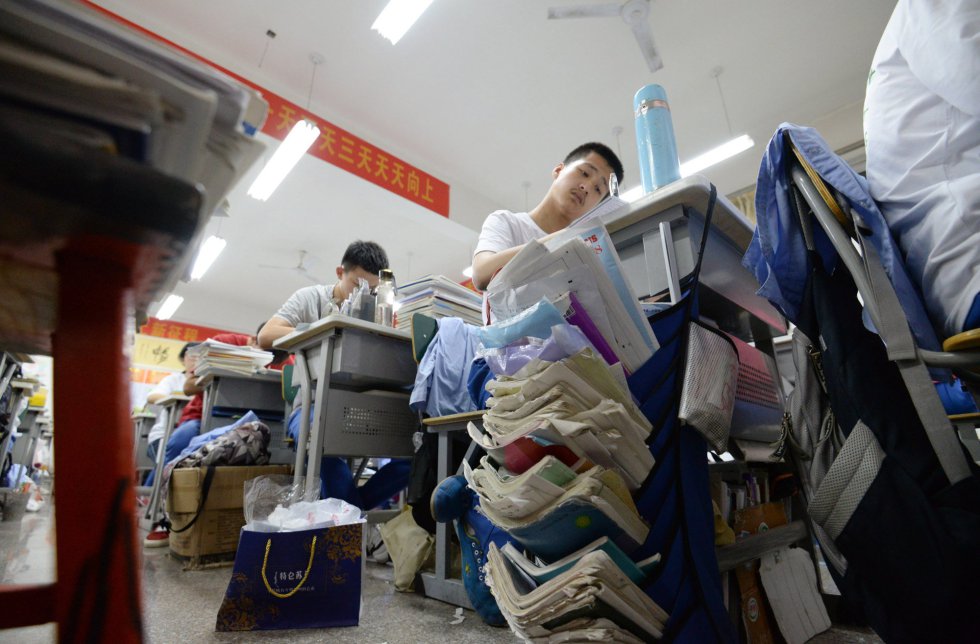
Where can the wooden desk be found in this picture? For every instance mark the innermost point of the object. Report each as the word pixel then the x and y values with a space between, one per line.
pixel 230 393
pixel 361 373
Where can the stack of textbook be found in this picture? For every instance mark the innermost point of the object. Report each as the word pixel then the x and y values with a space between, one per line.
pixel 73 79
pixel 591 595
pixel 220 356
pixel 437 296
pixel 566 446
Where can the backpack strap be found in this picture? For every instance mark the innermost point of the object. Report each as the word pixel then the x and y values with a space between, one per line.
pixel 898 338
pixel 205 488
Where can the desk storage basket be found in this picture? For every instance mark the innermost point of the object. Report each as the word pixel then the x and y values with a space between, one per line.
pixel 675 498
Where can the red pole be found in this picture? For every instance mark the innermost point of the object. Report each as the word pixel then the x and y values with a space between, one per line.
pixel 98 587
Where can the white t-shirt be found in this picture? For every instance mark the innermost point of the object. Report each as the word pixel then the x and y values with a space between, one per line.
pixel 171 384
pixel 922 133
pixel 504 229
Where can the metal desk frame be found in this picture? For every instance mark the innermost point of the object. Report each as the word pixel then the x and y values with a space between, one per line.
pixel 259 392
pixel 439 585
pixel 374 357
pixel 142 424
pixel 19 389
pixel 172 406
pixel 30 431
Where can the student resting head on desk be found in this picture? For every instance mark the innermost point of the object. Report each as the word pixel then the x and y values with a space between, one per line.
pixel 578 183
pixel 307 305
pixel 361 260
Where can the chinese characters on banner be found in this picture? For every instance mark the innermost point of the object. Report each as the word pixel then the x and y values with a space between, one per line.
pixel 336 146
pixel 157 347
pixel 178 330
pixel 357 156
pixel 156 351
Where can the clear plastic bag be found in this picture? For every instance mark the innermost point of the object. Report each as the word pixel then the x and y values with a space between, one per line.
pixel 274 504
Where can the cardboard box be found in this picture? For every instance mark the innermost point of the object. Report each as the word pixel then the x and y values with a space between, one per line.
pixel 216 531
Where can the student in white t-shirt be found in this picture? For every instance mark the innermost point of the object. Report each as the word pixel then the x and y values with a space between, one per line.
pixel 579 182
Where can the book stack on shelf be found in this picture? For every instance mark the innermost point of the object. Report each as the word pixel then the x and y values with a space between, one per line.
pixel 219 356
pixel 437 296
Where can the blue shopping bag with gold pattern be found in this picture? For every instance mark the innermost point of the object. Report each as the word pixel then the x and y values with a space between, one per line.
pixel 302 579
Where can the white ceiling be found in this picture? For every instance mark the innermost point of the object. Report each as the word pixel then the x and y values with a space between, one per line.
pixel 487 96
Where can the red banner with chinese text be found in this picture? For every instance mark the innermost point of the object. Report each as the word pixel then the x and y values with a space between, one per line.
pixel 335 145
pixel 178 330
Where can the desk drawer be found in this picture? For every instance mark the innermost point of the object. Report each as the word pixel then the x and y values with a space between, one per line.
pixel 364 424
pixel 368 358
pixel 242 394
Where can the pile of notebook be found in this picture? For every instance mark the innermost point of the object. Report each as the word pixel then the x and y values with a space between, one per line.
pixel 73 78
pixel 565 446
pixel 437 296
pixel 220 356
pixel 591 595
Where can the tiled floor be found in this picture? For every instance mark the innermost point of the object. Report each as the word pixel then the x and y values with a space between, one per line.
pixel 180 606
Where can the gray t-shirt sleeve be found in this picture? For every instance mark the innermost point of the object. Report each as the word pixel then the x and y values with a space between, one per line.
pixel 307 305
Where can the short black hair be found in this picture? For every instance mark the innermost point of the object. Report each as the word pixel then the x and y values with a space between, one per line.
pixel 602 150
pixel 183 349
pixel 365 254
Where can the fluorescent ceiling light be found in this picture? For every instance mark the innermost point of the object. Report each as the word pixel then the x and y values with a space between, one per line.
pixel 169 307
pixel 398 17
pixel 287 155
pixel 468 272
pixel 208 252
pixel 717 155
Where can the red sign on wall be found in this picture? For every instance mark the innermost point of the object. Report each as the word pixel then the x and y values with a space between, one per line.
pixel 344 150
pixel 178 330
pixel 336 145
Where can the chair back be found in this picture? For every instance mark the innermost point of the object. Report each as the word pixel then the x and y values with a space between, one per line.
pixel 289 390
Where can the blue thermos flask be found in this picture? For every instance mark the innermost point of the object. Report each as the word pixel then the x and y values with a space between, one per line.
pixel 655 138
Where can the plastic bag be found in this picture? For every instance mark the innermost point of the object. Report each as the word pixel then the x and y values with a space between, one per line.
pixel 274 504
pixel 565 340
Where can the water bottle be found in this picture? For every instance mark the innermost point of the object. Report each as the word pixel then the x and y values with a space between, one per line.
pixel 655 138
pixel 384 306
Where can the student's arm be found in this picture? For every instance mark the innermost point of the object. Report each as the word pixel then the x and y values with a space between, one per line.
pixel 274 329
pixel 487 263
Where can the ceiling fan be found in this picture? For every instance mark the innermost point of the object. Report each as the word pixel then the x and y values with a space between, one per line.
pixel 299 268
pixel 633 12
